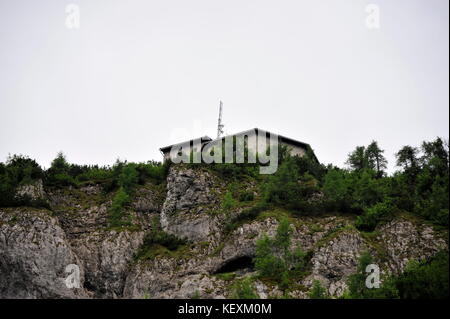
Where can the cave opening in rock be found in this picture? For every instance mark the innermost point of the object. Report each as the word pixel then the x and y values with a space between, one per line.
pixel 240 264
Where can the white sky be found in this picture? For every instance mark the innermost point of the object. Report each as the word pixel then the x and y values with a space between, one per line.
pixel 139 75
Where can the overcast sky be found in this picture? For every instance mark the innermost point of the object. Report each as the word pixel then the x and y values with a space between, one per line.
pixel 139 75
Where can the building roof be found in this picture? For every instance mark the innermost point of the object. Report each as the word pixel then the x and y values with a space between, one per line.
pixel 167 148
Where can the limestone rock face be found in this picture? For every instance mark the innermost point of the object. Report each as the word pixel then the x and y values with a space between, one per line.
pixel 105 257
pixel 189 203
pixel 400 241
pixel 194 274
pixel 336 260
pixel 33 191
pixel 146 201
pixel 242 242
pixel 162 281
pixel 403 241
pixel 104 254
pixel 34 254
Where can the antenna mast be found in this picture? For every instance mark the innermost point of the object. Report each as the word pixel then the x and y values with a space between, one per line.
pixel 219 123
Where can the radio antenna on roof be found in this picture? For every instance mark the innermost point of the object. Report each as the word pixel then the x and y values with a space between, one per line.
pixel 220 125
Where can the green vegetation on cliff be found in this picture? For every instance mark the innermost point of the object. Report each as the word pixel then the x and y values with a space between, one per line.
pixel 121 179
pixel 276 261
pixel 159 243
pixel 426 279
pixel 300 185
pixel 304 187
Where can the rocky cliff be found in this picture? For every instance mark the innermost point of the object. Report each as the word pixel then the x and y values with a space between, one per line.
pixel 36 245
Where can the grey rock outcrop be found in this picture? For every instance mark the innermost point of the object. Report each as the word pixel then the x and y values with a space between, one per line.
pixel 105 254
pixel 190 201
pixel 34 191
pixel 34 254
pixel 106 258
pixel 403 240
pixel 336 260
